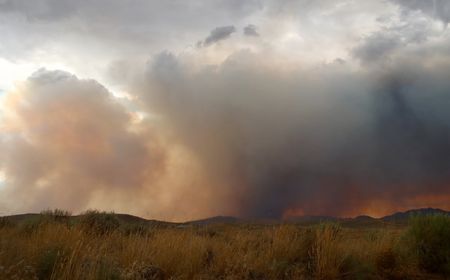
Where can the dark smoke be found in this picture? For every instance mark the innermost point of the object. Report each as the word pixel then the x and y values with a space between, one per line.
pixel 325 142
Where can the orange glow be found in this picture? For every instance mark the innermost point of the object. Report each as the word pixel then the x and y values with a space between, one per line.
pixel 381 207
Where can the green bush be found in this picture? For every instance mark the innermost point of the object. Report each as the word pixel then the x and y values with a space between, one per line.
pixel 100 223
pixel 430 240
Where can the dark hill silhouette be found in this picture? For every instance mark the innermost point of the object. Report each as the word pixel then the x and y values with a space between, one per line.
pixel 20 218
pixel 363 220
pixel 215 220
pixel 404 216
pixel 123 218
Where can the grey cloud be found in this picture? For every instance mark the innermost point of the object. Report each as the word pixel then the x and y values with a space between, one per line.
pixel 219 34
pixel 130 25
pixel 385 42
pixel 250 30
pixel 40 10
pixel 126 11
pixel 439 9
pixel 376 47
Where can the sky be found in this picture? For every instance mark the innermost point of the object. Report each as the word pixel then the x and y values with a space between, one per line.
pixel 178 110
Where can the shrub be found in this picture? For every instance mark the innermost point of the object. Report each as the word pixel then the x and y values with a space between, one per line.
pixel 106 269
pixel 44 219
pixel 19 270
pixel 47 261
pixel 32 226
pixel 144 272
pixel 353 268
pixel 386 260
pixel 5 223
pixel 56 215
pixel 96 222
pixel 386 263
pixel 136 229
pixel 430 240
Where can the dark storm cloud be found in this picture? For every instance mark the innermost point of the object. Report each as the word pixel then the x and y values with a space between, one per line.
pixel 439 9
pixel 218 34
pixel 250 30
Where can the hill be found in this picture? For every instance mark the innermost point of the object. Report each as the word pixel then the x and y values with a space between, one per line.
pixel 363 220
pixel 123 218
pixel 404 216
pixel 215 220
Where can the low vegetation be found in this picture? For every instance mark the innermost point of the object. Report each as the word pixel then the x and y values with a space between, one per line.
pixel 430 241
pixel 98 245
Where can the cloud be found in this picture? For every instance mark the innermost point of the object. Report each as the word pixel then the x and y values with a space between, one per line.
pixel 377 47
pixel 439 9
pixel 250 30
pixel 219 34
pixel 381 45
pixel 132 26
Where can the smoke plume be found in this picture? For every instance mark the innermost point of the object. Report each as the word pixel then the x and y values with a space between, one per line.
pixel 328 141
pixel 254 135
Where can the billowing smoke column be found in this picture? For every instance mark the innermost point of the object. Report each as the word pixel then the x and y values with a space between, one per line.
pixel 244 137
pixel 66 140
pixel 326 141
pixel 283 107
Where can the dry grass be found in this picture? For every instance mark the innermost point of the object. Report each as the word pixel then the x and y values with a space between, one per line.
pixel 59 250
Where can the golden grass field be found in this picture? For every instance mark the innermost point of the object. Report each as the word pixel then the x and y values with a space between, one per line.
pixel 98 247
